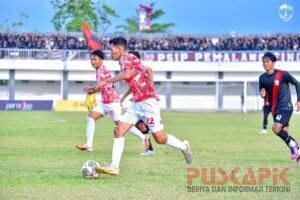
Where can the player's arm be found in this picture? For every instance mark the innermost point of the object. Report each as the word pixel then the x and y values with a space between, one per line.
pixel 90 89
pixel 149 73
pixel 126 95
pixel 262 90
pixel 125 74
pixel 294 81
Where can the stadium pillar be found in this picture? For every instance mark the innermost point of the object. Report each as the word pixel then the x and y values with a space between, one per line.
pixel 117 85
pixel 257 95
pixel 168 90
pixel 217 95
pixel 11 84
pixel 220 90
pixel 245 97
pixel 64 85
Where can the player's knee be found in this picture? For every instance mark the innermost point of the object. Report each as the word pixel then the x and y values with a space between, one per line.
pixel 120 130
pixel 94 116
pixel 276 129
pixel 286 129
pixel 117 132
pixel 88 119
pixel 161 139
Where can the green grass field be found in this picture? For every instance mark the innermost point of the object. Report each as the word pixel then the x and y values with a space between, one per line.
pixel 38 159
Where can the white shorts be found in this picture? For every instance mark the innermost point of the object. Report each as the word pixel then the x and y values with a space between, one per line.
pixel 148 111
pixel 113 109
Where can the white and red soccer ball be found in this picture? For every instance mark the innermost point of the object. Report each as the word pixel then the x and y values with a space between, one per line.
pixel 88 170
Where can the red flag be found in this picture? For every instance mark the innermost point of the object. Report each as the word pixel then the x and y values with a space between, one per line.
pixel 91 39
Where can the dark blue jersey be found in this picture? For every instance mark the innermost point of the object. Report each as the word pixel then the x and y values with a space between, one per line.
pixel 278 90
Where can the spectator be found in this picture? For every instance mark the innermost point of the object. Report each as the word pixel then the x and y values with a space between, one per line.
pixel 159 43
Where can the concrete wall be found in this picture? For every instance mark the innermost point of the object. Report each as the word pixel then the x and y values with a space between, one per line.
pixel 193 83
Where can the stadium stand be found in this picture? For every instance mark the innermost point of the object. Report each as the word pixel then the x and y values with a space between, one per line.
pixel 191 72
pixel 160 43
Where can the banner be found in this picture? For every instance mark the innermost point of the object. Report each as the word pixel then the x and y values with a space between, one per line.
pixel 91 39
pixel 144 17
pixel 56 55
pixel 206 56
pixel 25 105
pixel 69 55
pixel 70 105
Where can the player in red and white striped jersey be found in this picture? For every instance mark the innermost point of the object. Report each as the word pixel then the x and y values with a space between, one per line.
pixel 110 104
pixel 145 106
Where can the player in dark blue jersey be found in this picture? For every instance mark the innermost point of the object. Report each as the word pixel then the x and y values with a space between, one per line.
pixel 274 84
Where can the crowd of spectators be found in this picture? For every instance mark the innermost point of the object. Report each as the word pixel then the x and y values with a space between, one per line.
pixel 159 43
pixel 40 41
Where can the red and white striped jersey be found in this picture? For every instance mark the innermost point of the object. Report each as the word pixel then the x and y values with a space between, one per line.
pixel 137 82
pixel 109 94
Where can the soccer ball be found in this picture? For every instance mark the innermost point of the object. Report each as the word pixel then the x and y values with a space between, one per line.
pixel 88 170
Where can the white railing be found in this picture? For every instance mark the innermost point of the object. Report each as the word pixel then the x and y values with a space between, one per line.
pixel 161 56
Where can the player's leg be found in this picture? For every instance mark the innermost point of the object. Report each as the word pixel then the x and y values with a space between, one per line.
pixel 136 132
pixel 266 114
pixel 117 150
pixel 281 122
pixel 170 140
pixel 145 130
pixel 126 122
pixel 265 121
pixel 90 130
pixel 118 145
pixel 151 112
pixel 115 111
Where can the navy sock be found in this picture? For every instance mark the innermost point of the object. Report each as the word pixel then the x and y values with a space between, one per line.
pixel 265 123
pixel 265 126
pixel 285 136
pixel 150 146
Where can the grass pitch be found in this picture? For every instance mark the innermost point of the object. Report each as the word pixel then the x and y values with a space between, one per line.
pixel 38 159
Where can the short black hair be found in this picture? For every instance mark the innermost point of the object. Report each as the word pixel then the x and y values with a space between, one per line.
pixel 136 53
pixel 119 41
pixel 270 55
pixel 98 53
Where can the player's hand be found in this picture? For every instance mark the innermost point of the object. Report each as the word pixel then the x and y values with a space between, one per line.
pixel 89 90
pixel 122 99
pixel 157 98
pixel 298 106
pixel 101 85
pixel 85 89
pixel 263 92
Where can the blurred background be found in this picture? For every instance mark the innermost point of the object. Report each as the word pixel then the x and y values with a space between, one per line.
pixel 205 55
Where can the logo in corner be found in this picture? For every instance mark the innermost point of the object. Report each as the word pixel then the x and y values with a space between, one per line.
pixel 286 12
